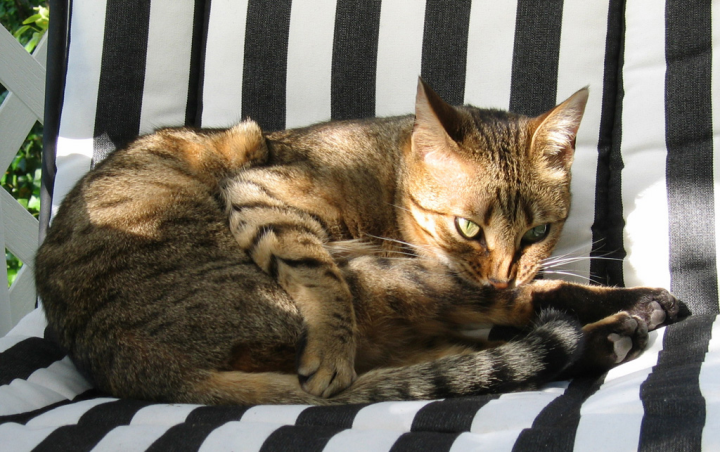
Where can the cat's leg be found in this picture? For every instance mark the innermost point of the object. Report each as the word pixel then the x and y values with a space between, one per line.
pixel 289 245
pixel 590 304
pixel 410 301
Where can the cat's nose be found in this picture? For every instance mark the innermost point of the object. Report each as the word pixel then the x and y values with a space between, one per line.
pixel 499 285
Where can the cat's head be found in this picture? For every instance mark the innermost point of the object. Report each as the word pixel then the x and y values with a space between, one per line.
pixel 485 191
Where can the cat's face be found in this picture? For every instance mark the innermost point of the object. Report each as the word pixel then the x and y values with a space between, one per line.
pixel 487 192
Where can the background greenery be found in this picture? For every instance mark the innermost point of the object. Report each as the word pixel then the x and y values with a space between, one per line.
pixel 27 20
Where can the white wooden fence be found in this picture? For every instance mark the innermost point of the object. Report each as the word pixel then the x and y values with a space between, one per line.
pixel 23 75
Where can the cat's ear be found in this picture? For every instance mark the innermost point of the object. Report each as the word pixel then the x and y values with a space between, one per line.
pixel 556 130
pixel 437 124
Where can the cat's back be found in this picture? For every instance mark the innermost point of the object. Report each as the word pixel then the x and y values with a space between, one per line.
pixel 335 142
pixel 141 248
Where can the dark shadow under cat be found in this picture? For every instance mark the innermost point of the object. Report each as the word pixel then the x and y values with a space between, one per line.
pixel 337 263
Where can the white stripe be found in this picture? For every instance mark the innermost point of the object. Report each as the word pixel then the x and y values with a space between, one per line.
pixel 19 438
pixel 643 146
pixel 32 325
pixel 582 63
pixel 274 414
pixel 239 437
pixel 396 416
pixel 223 78
pixel 491 39
pixel 162 414
pixel 77 123
pixel 716 123
pixel 498 424
pixel 709 382
pixel 486 442
pixel 167 65
pixel 128 438
pixel 610 419
pixel 399 58
pixel 309 62
pixel 362 441
pixel 58 382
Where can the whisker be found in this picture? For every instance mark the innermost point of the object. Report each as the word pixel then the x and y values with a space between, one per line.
pixel 387 239
pixel 399 207
pixel 567 273
pixel 558 260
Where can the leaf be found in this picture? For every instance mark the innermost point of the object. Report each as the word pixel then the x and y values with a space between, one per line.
pixel 20 31
pixel 32 19
pixel 33 42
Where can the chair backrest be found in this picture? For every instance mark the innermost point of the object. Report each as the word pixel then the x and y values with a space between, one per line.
pixel 24 77
pixel 643 179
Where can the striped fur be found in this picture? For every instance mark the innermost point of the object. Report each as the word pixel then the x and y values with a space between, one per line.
pixel 157 298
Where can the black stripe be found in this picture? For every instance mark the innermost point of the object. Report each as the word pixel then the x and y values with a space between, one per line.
pixel 201 63
pixel 689 140
pixel 24 418
pixel 307 262
pixel 608 225
pixel 122 75
pixel 452 415
pixel 265 64
pixel 92 426
pixel 58 39
pixel 332 416
pixel 24 358
pixel 426 441
pixel 444 50
pixel 536 53
pixel 556 425
pixel 197 426
pixel 301 439
pixel 671 395
pixel 354 59
pixel 197 57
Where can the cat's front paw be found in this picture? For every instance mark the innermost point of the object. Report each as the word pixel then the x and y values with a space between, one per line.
pixel 656 307
pixel 613 340
pixel 325 366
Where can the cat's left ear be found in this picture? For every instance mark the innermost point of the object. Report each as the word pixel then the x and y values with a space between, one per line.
pixel 556 130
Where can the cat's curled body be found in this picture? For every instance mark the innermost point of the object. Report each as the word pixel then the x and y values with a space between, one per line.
pixel 309 295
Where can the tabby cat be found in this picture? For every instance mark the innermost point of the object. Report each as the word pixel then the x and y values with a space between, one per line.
pixel 338 263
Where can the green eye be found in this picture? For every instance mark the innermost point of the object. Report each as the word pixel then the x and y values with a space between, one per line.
pixel 536 234
pixel 467 228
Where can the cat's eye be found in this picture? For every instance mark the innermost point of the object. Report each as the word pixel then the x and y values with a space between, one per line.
pixel 536 234
pixel 467 228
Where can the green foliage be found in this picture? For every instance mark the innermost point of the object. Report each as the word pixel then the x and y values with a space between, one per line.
pixel 27 20
pixel 37 24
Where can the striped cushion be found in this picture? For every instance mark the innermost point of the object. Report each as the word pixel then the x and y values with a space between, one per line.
pixel 643 195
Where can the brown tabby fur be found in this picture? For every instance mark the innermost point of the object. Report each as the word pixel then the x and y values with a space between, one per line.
pixel 342 251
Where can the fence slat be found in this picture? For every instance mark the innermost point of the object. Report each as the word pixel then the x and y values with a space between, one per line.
pixel 16 119
pixel 21 229
pixel 6 320
pixel 22 294
pixel 21 74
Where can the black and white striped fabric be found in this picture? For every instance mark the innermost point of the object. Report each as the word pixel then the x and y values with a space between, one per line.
pixel 644 195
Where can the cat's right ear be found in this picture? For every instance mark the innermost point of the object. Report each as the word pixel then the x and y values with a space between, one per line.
pixel 437 126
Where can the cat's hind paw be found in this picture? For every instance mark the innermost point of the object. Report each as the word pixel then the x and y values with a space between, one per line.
pixel 613 340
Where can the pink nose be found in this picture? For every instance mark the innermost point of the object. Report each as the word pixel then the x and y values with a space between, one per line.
pixel 499 285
